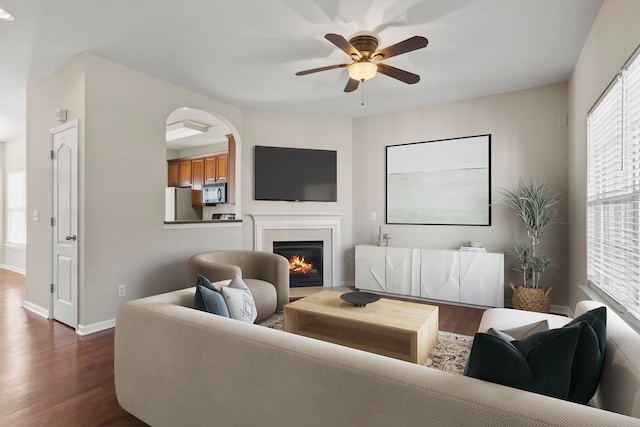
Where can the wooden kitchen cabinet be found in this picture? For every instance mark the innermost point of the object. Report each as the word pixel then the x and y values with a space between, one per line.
pixel 216 168
pixel 231 161
pixel 173 167
pixel 209 170
pixel 179 173
pixel 222 162
pixel 197 179
pixel 185 173
pixel 196 172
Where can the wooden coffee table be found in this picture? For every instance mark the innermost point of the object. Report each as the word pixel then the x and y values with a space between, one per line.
pixel 400 329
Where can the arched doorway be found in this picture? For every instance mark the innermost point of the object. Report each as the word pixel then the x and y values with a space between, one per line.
pixel 201 161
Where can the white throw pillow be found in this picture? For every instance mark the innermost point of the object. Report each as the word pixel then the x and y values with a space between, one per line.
pixel 240 301
pixel 520 332
pixel 524 331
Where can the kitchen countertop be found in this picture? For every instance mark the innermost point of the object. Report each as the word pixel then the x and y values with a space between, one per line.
pixel 204 221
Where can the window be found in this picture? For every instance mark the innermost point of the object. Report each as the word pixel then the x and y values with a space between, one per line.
pixel 16 208
pixel 613 190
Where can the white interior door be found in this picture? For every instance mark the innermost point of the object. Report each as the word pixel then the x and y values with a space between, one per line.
pixel 64 222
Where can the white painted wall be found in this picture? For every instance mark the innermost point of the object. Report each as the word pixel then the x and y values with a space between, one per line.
pixel 613 38
pixel 300 131
pixel 172 154
pixel 121 235
pixel 206 150
pixel 15 159
pixel 123 155
pixel 62 89
pixel 525 140
pixel 3 197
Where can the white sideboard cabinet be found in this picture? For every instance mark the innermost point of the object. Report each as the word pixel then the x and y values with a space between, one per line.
pixel 392 270
pixel 475 278
pixel 439 274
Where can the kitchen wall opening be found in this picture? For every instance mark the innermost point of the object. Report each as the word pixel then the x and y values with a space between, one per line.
pixel 201 168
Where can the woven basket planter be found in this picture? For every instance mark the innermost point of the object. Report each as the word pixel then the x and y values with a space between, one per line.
pixel 531 299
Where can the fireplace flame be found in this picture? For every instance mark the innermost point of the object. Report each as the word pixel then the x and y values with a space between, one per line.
pixel 299 265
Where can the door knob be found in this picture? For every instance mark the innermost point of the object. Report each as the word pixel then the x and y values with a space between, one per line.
pixel 71 237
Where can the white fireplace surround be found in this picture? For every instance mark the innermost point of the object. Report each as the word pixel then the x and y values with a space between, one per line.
pixel 269 228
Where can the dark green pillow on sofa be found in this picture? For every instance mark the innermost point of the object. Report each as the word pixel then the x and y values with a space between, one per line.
pixel 209 299
pixel 541 363
pixel 555 363
pixel 589 358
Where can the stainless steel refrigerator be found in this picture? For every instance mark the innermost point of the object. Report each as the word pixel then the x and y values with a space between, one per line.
pixel 178 205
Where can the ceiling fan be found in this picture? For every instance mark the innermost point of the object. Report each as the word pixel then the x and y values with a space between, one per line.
pixel 363 50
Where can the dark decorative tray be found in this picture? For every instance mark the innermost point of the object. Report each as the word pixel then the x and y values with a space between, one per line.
pixel 359 299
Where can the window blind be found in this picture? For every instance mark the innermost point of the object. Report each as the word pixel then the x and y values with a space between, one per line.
pixel 613 190
pixel 16 208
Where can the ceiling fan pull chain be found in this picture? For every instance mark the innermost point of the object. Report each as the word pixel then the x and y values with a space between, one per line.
pixel 362 100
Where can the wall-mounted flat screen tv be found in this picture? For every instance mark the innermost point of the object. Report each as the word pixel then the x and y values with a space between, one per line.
pixel 295 174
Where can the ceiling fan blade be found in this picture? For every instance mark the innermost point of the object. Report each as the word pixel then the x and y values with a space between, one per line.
pixel 343 44
pixel 413 43
pixel 316 70
pixel 397 73
pixel 352 85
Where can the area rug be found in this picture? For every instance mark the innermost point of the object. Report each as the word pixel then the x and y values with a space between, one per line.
pixel 450 353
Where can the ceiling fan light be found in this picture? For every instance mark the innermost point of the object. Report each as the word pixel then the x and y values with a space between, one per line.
pixel 184 129
pixel 5 15
pixel 362 71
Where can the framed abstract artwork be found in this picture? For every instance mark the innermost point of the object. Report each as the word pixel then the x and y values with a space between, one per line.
pixel 443 182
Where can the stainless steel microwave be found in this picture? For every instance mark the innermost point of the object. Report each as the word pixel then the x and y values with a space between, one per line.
pixel 212 194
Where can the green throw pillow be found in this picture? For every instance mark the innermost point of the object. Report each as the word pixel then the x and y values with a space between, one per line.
pixel 589 357
pixel 209 299
pixel 540 363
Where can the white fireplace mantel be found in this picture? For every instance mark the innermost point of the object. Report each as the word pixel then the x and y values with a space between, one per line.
pixel 266 226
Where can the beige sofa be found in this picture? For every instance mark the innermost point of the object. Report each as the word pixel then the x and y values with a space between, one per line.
pixel 178 366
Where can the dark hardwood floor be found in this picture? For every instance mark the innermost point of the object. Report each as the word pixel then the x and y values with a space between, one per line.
pixel 461 320
pixel 50 376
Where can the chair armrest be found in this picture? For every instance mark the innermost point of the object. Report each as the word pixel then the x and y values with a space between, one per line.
pixel 272 268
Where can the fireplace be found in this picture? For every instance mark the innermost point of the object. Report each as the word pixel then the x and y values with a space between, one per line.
pixel 305 261
pixel 269 228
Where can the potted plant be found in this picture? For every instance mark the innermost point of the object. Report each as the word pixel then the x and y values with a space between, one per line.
pixel 535 204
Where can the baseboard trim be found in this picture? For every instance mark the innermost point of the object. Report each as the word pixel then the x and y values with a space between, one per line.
pixel 95 327
pixel 561 309
pixel 36 309
pixel 424 300
pixel 555 309
pixel 14 269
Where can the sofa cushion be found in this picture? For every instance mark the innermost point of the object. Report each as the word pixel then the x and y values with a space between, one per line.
pixel 589 357
pixel 240 301
pixel 208 298
pixel 541 363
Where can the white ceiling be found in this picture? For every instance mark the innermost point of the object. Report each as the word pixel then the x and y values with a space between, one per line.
pixel 246 52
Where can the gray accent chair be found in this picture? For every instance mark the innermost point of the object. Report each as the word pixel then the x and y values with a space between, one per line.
pixel 266 274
